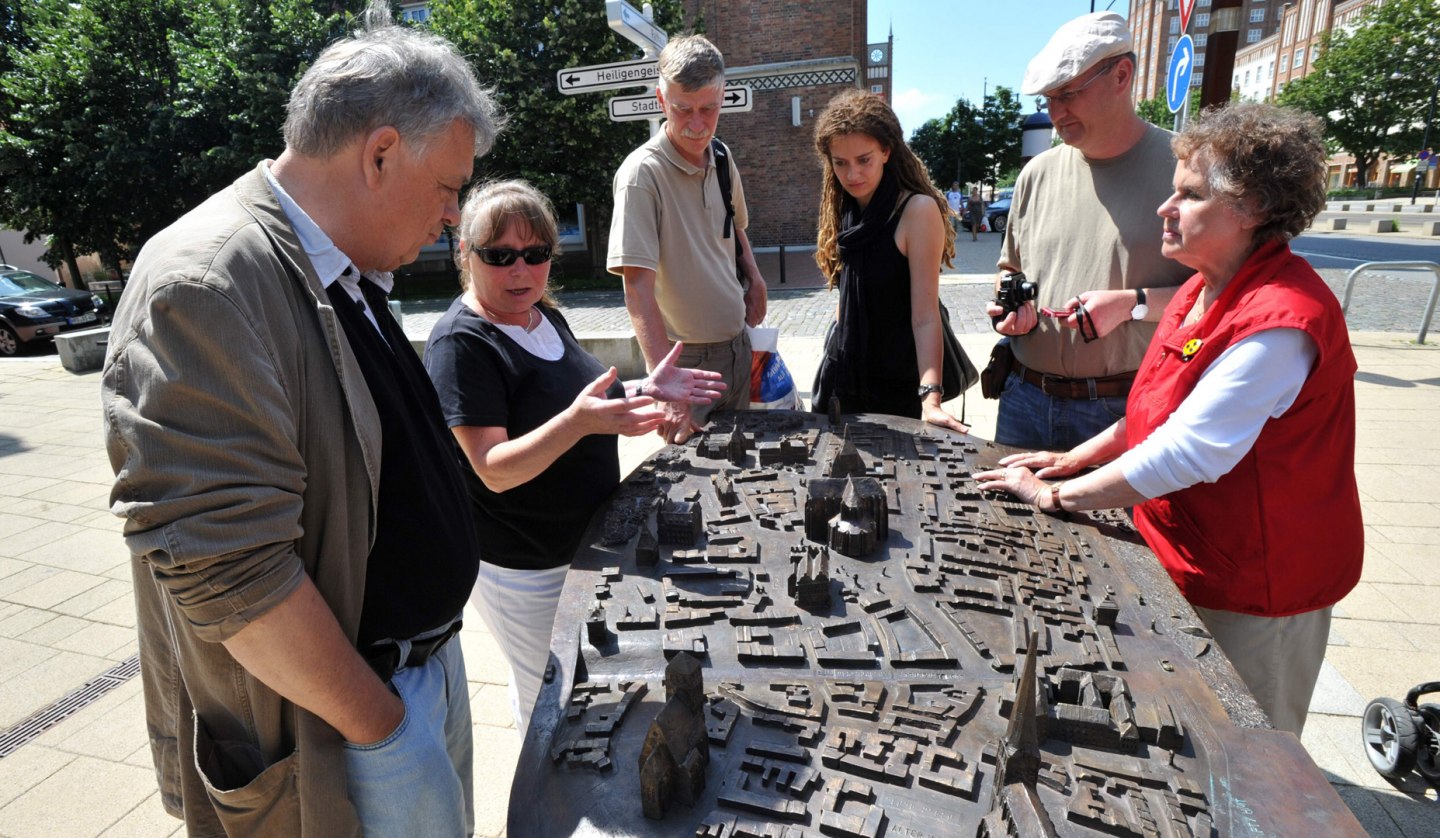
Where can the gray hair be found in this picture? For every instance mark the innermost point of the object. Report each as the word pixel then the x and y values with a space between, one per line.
pixel 1266 161
pixel 388 74
pixel 691 62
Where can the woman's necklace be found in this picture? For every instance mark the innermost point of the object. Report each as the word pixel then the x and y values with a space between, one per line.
pixel 532 317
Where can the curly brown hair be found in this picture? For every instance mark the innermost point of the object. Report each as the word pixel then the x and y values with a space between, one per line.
pixel 857 112
pixel 1266 160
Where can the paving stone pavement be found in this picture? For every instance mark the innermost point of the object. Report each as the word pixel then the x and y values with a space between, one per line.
pixel 66 613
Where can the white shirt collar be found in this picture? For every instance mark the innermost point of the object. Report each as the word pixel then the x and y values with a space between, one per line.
pixel 329 261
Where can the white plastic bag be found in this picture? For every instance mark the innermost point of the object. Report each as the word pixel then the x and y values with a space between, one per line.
pixel 771 386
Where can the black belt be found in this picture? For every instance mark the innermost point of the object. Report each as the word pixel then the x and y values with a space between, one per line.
pixel 1078 388
pixel 384 657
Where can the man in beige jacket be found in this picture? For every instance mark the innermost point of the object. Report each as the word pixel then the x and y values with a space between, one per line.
pixel 300 535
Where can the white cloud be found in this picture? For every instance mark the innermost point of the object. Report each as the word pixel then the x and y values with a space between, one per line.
pixel 915 106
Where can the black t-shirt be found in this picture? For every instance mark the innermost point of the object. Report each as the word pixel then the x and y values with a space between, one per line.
pixel 485 379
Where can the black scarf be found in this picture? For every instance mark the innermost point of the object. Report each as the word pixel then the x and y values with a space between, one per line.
pixel 859 229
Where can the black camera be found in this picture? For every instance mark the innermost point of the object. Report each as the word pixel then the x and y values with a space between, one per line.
pixel 1014 291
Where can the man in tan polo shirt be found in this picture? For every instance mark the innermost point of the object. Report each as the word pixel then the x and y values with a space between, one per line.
pixel 670 240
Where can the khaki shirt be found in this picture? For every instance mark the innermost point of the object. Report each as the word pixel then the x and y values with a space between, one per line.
pixel 1083 225
pixel 669 217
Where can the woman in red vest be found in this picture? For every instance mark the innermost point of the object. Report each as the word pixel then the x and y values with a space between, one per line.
pixel 1238 446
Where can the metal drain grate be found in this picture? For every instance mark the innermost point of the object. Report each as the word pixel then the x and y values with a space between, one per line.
pixel 47 717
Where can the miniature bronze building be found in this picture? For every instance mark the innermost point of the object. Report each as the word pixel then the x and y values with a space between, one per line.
pixel 979 669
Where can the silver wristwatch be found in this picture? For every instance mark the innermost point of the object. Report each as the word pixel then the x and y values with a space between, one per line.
pixel 1140 310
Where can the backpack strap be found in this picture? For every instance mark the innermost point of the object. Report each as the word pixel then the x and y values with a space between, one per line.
pixel 722 176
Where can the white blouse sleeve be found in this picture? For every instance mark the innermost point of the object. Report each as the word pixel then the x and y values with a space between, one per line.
pixel 1251 382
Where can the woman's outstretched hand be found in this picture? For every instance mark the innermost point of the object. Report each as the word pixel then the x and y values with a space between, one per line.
pixel 669 383
pixel 1044 463
pixel 593 413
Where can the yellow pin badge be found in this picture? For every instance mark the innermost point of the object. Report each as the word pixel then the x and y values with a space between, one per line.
pixel 1191 347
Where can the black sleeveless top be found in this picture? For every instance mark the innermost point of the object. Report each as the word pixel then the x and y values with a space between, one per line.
pixel 869 358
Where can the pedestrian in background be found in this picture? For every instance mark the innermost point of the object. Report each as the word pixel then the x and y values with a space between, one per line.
pixel 975 212
pixel 882 239
pixel 301 541
pixel 956 200
pixel 536 419
pixel 688 268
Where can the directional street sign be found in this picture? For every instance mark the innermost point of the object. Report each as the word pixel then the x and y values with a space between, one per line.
pixel 631 24
pixel 736 99
pixel 627 108
pixel 1177 77
pixel 1186 7
pixel 607 76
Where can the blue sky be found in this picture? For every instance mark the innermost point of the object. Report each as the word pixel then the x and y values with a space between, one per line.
pixel 946 49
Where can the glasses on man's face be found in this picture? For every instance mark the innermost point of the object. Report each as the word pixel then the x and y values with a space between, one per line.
pixel 504 257
pixel 1069 96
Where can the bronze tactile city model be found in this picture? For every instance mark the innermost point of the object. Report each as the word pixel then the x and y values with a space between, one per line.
pixel 799 625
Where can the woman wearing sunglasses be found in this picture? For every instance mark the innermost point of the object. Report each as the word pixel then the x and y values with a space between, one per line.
pixel 535 416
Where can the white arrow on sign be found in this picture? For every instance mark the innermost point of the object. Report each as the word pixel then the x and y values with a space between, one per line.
pixel 632 25
pixel 607 76
pixel 737 99
pixel 1177 77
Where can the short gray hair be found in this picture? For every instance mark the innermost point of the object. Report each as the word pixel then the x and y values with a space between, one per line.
pixel 691 62
pixel 387 74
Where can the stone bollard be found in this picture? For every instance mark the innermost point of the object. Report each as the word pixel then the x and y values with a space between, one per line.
pixel 1338 223
pixel 1344 207
pixel 1397 208
pixel 1430 228
pixel 84 350
pixel 1369 207
pixel 1384 225
pixel 1427 207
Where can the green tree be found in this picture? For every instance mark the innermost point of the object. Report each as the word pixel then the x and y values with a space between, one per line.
pixel 121 114
pixel 565 145
pixel 1370 86
pixel 1157 111
pixel 969 144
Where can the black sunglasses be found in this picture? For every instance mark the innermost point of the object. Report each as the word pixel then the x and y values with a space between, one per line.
pixel 504 257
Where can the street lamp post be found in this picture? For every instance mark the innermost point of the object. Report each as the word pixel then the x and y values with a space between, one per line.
pixel 1425 143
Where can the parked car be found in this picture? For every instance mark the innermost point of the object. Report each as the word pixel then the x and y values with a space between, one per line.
pixel 997 212
pixel 33 308
pixel 997 215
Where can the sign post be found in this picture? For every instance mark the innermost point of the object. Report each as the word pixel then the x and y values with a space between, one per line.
pixel 1186 7
pixel 629 23
pixel 1177 77
pixel 629 108
pixel 615 76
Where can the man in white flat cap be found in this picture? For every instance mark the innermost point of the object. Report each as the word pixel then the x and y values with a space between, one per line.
pixel 1083 227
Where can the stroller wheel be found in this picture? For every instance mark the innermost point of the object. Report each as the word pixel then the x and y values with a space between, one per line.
pixel 1427 754
pixel 1390 735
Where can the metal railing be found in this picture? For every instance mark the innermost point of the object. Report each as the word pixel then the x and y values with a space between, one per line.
pixel 1399 266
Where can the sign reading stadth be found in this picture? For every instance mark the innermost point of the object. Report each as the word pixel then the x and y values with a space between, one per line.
pixel 607 76
pixel 1186 7
pixel 1177 76
pixel 646 106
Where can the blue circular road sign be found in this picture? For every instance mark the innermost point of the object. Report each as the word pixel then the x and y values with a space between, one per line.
pixel 1177 76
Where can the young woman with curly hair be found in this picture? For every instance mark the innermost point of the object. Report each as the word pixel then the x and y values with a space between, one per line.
pixel 883 236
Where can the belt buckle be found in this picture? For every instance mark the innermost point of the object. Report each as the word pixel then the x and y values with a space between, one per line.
pixel 1049 384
